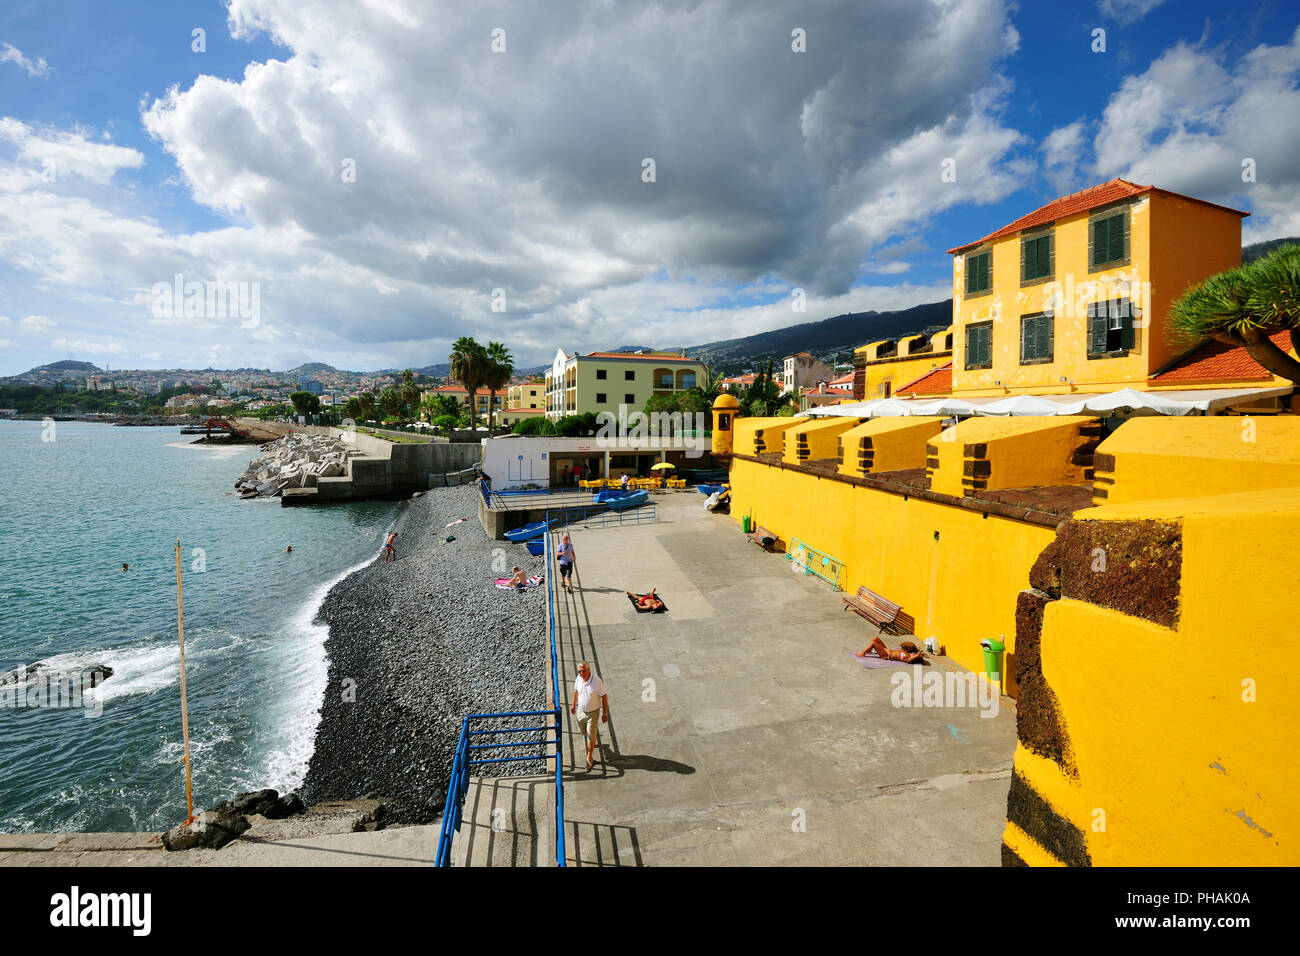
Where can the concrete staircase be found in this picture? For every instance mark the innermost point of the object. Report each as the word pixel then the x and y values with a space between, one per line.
pixel 507 821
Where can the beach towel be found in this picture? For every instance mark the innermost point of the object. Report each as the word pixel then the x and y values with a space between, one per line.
pixel 871 661
pixel 505 585
pixel 457 521
pixel 646 610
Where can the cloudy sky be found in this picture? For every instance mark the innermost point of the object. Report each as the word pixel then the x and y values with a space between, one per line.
pixel 387 175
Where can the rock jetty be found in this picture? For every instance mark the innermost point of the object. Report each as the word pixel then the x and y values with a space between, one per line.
pixel 294 461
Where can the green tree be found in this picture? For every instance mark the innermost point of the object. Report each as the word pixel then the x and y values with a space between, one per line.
pixel 500 369
pixel 305 403
pixel 439 404
pixel 366 401
pixel 447 422
pixel 390 401
pixel 469 364
pixel 1244 307
pixel 763 397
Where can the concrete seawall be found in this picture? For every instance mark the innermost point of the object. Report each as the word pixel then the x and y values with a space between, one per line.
pixel 384 469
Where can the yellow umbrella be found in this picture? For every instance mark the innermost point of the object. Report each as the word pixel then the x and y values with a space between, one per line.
pixel 662 464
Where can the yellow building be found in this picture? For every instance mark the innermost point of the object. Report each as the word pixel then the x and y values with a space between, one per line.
pixel 1075 295
pixel 880 368
pixel 604 381
pixel 526 395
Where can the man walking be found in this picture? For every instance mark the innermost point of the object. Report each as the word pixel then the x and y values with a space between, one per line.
pixel 390 547
pixel 589 700
pixel 566 556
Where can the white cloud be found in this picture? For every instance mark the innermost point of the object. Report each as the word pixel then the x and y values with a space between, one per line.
pixel 522 171
pixel 1063 149
pixel 11 54
pixel 59 153
pixel 1190 121
pixel 1127 12
pixel 87 346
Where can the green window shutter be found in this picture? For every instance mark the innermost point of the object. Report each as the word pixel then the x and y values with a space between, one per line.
pixel 1097 243
pixel 1044 337
pixel 1051 254
pixel 1126 333
pixel 1123 244
pixel 986 345
pixel 1026 340
pixel 1096 329
pixel 1026 269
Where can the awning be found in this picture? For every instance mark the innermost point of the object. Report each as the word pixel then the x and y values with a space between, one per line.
pixel 1173 402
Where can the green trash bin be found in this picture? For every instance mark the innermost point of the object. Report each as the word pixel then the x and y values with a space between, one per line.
pixel 992 657
pixel 744 524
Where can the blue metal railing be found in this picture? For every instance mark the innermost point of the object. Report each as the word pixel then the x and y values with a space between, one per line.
pixel 466 751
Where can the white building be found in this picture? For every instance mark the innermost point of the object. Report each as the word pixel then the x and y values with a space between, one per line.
pixel 803 370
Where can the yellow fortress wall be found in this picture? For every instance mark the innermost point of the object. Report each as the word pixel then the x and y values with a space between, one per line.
pixel 993 453
pixel 886 444
pixel 1176 715
pixel 816 439
pixel 1155 457
pixel 954 570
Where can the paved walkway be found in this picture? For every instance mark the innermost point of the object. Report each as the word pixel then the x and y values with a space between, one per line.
pixel 743 733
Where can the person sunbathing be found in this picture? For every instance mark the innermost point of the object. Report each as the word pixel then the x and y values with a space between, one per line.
pixel 909 654
pixel 649 601
pixel 520 578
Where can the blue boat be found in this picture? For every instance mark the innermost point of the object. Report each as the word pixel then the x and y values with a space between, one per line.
pixel 633 500
pixel 528 531
pixel 535 547
pixel 605 497
pixel 709 489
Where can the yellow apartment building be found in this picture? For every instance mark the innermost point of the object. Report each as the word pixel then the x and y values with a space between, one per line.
pixel 602 381
pixel 526 395
pixel 1075 295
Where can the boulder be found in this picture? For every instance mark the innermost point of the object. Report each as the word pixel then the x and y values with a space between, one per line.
pixel 212 830
pixel 257 801
pixel 287 806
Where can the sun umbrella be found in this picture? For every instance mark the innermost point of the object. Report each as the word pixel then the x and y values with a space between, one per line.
pixel 662 464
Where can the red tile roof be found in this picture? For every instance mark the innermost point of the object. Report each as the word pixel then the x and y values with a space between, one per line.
pixel 1217 362
pixel 937 381
pixel 1085 200
pixel 633 355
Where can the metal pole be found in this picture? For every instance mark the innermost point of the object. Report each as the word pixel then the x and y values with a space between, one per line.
pixel 185 709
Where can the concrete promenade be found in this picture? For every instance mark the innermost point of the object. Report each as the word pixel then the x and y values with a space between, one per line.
pixel 742 732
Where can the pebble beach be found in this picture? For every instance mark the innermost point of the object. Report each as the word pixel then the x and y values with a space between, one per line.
pixel 414 646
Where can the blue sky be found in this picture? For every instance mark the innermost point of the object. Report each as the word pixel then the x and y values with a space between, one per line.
pixel 500 192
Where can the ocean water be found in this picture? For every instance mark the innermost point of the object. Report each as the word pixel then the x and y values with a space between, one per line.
pixel 73 510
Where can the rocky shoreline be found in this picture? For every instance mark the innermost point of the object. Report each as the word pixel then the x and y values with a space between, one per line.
pixel 414 646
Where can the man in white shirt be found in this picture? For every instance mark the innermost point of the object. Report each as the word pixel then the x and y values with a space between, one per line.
pixel 589 699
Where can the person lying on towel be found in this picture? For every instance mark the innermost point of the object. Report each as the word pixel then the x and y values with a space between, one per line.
pixel 646 602
pixel 909 654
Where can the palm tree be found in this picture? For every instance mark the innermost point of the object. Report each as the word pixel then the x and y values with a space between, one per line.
pixel 366 401
pixel 710 387
pixel 410 393
pixel 468 363
pixel 1244 307
pixel 390 400
pixel 500 369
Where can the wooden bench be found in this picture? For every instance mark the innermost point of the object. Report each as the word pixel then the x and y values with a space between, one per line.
pixel 760 533
pixel 880 611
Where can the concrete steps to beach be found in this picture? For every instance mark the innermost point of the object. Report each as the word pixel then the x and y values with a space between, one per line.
pixel 507 821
